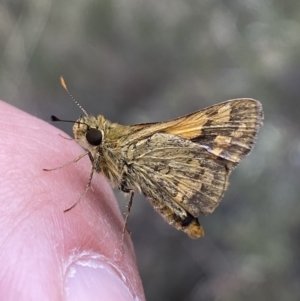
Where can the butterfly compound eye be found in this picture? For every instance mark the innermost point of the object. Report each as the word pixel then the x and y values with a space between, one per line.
pixel 94 137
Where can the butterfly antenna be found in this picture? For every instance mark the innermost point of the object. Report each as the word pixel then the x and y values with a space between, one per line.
pixel 63 83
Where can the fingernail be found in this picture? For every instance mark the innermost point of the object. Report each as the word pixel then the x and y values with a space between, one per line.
pixel 95 280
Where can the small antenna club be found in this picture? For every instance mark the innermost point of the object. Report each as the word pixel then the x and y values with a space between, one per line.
pixel 63 83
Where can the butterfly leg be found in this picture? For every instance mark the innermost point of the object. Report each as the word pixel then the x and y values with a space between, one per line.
pixel 127 215
pixel 125 187
pixel 87 187
pixel 66 138
pixel 69 163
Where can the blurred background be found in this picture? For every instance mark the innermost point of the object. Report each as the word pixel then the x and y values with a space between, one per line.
pixel 151 60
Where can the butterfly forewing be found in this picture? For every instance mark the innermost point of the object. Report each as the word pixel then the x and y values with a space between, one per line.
pixel 229 129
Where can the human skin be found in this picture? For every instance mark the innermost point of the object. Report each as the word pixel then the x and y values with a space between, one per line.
pixel 46 254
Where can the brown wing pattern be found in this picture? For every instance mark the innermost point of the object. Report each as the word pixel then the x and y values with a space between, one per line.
pixel 229 129
pixel 179 176
pixel 181 171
